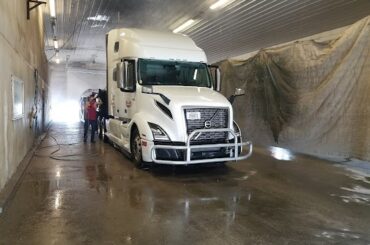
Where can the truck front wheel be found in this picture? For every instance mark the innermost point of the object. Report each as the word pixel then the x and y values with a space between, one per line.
pixel 136 150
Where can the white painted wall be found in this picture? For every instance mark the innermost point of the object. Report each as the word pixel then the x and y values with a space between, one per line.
pixel 21 52
pixel 67 85
pixel 80 80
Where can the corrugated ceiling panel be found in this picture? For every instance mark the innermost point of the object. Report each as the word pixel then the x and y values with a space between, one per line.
pixel 241 27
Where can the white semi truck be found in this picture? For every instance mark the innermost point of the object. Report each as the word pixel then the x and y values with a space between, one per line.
pixel 164 104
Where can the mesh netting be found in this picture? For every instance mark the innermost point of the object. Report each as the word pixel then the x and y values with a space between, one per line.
pixel 311 96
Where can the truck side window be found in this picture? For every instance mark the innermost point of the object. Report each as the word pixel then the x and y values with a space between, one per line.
pixel 116 47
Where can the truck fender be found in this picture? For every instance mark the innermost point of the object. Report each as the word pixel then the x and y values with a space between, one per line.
pixel 141 122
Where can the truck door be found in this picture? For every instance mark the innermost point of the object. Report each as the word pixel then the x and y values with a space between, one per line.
pixel 124 94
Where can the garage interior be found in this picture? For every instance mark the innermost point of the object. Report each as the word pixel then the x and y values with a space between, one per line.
pixel 305 69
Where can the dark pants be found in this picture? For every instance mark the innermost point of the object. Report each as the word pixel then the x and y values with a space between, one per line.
pixel 93 129
pixel 101 126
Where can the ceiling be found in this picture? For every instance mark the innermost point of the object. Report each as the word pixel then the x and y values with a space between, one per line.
pixel 240 27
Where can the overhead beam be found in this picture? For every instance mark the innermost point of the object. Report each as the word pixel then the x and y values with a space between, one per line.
pixel 32 4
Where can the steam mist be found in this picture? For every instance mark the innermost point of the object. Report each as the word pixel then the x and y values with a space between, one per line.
pixel 66 88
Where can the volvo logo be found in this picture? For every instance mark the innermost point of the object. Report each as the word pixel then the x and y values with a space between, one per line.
pixel 207 124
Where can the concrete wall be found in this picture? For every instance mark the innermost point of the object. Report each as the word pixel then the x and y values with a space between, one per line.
pixel 21 52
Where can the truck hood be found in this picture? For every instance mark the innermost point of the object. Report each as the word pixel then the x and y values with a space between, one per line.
pixel 192 96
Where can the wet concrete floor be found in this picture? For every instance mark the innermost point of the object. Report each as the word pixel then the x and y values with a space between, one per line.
pixel 92 194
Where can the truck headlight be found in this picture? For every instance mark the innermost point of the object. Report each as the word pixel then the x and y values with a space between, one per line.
pixel 158 132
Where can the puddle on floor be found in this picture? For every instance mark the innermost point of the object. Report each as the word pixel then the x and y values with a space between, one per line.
pixel 359 175
pixel 344 233
pixel 357 194
pixel 360 172
pixel 358 169
pixel 358 189
pixel 245 177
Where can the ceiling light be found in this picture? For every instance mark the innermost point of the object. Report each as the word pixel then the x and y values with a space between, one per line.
pixel 56 46
pixel 57 60
pixel 219 4
pixel 184 26
pixel 52 8
pixel 99 18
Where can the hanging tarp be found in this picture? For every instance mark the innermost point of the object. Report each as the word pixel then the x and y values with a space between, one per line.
pixel 311 96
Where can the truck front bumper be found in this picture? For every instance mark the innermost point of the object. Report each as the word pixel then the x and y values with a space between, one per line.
pixel 192 154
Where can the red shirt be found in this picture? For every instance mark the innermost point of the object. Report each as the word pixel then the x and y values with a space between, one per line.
pixel 91 110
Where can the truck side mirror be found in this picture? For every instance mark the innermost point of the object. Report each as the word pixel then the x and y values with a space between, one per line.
pixel 114 76
pixel 218 80
pixel 216 77
pixel 119 75
pixel 126 75
pixel 238 92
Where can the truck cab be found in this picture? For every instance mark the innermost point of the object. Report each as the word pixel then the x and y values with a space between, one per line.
pixel 163 103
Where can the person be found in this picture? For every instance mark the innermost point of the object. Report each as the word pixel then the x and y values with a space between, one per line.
pixel 90 109
pixel 102 112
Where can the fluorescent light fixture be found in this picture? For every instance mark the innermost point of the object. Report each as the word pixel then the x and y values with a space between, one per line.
pixel 99 18
pixel 184 26
pixel 52 8
pixel 219 4
pixel 56 45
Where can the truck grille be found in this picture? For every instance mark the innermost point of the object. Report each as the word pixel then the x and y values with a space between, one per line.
pixel 217 117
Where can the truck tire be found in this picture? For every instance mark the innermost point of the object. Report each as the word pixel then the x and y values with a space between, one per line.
pixel 105 138
pixel 136 151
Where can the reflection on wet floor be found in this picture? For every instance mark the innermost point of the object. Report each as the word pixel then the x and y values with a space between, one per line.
pixel 58 199
pixel 76 193
pixel 281 153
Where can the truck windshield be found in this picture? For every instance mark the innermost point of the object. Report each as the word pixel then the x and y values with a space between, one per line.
pixel 158 72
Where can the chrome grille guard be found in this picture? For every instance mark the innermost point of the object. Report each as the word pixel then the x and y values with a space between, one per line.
pixel 234 155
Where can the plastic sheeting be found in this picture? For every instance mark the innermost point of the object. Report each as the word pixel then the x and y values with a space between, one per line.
pixel 311 96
